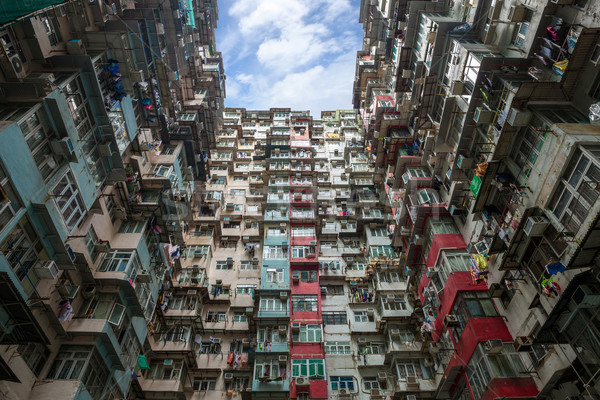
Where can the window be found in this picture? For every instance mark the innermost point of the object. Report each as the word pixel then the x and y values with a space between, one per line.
pixel 520 35
pixel 450 262
pixel 303 231
pixel 69 201
pixel 372 348
pixel 204 383
pixel 333 290
pixel 49 27
pixel 357 266
pixel 224 265
pixel 477 305
pixel 391 277
pixel 252 208
pixel 342 382
pixel 272 304
pixel 576 192
pixel 81 363
pixel 9 203
pixel 361 316
pixel 275 275
pixel 404 336
pixel 247 265
pixel 237 192
pixel 308 276
pixel 308 333
pixel 210 347
pixel 482 367
pixel 79 107
pixel 132 226
pixel 392 302
pixel 335 318
pixel 245 289
pixel 165 370
pixel 274 252
pixel 302 251
pixel 379 232
pixel 35 356
pixel 215 316
pixel 268 370
pixel 37 133
pixel 373 383
pixel 179 333
pixel 386 251
pixel 239 317
pixel 414 367
pixel 275 231
pixel 90 243
pixel 338 348
pixel 304 303
pixel 120 261
pixel 314 369
pixel 183 302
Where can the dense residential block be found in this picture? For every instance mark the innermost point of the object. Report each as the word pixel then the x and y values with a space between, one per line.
pixel 438 241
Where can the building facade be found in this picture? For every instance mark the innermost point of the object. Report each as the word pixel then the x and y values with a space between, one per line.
pixel 438 241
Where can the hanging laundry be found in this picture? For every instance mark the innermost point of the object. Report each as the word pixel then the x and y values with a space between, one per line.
pixel 555 267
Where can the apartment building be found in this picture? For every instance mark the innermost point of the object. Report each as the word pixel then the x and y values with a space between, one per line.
pixel 477 117
pixel 438 241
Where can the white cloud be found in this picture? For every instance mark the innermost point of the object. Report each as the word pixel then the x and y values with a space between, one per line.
pixel 290 53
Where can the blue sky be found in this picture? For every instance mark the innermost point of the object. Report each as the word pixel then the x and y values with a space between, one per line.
pixel 289 53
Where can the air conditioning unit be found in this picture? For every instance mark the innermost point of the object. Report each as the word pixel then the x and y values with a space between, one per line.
pixel 523 343
pixel 535 226
pixel 493 346
pixel 46 269
pixel 412 382
pixel 283 295
pixel 463 162
pixel 496 290
pixel 457 88
pixel 282 330
pixel 102 247
pixel 283 359
pixel 295 326
pixel 406 73
pixel 296 277
pixel 586 296
pixel 343 392
pixel 395 333
pixel 411 397
pixel 489 34
pixel 451 320
pixel 495 10
pixel 228 376
pixel 370 312
pixel 431 37
pixel 382 376
pixel 517 13
pixel 302 381
pixel 13 67
pixel 419 240
pixel 595 57
pixel 518 117
pixel 62 147
pixel 216 340
pixel 376 394
pixel 431 272
pixel 482 115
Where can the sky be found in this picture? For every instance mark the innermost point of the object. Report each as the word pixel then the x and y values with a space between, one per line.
pixel 299 54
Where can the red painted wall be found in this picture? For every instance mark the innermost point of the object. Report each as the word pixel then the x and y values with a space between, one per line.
pixel 510 388
pixel 307 350
pixel 459 281
pixel 316 390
